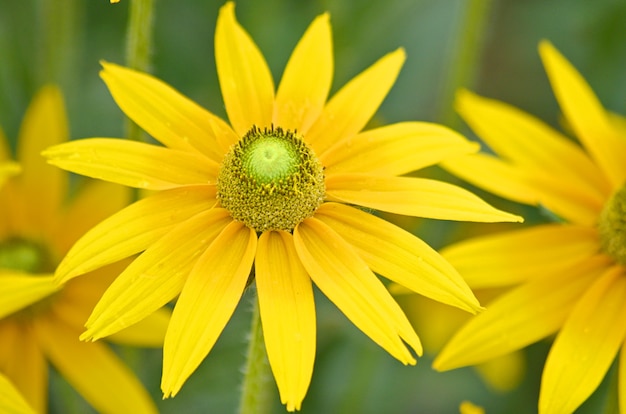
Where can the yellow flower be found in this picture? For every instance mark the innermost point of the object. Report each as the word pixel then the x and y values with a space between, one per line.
pixel 273 189
pixel 40 320
pixel 10 399
pixel 569 277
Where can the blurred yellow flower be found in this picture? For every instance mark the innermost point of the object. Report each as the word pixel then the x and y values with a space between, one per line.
pixel 40 320
pixel 11 402
pixel 571 275
pixel 274 189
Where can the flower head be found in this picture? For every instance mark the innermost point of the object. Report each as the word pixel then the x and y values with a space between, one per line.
pixel 569 278
pixel 40 320
pixel 277 189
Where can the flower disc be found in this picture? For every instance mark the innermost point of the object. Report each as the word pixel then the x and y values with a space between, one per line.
pixel 612 226
pixel 271 180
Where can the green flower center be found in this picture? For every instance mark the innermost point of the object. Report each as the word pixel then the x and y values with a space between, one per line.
pixel 33 259
pixel 612 226
pixel 25 255
pixel 271 180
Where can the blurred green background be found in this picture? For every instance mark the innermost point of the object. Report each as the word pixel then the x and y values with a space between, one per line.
pixel 63 41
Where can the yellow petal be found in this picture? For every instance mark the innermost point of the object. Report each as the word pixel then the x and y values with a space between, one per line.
pixel 288 315
pixel 167 115
pixel 206 303
pixel 134 164
pixel 23 362
pixel 307 78
pixel 156 276
pixel 245 80
pixel 395 149
pixel 94 202
pixel 75 302
pixel 43 186
pixel 528 186
pixel 399 256
pixel 410 196
pixel 494 175
pixel 348 282
pixel 519 318
pixel 11 401
pixel 586 346
pixel 18 290
pixel 148 332
pixel 135 228
pixel 531 144
pixel 512 257
pixel 93 370
pixel 351 108
pixel 585 114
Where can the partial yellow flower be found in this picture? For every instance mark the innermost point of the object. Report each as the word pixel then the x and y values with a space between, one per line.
pixel 278 188
pixel 40 320
pixel 568 278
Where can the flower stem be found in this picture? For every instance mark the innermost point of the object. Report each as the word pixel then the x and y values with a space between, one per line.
pixel 465 53
pixel 139 48
pixel 255 392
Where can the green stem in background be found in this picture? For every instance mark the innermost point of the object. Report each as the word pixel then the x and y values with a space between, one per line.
pixel 256 394
pixel 139 48
pixel 465 53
